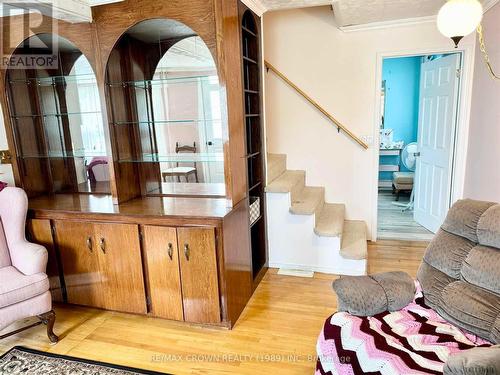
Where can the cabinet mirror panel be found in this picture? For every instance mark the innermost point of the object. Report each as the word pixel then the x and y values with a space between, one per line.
pixel 165 108
pixel 55 113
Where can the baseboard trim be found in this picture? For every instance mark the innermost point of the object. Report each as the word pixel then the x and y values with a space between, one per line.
pixel 328 270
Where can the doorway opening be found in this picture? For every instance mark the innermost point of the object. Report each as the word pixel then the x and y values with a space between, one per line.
pixel 419 110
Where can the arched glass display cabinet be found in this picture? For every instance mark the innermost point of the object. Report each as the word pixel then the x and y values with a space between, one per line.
pixel 55 114
pixel 165 113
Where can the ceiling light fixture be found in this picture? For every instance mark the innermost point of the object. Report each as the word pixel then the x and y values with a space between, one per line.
pixel 459 18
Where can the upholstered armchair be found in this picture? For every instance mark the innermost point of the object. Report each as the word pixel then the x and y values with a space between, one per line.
pixel 448 321
pixel 24 286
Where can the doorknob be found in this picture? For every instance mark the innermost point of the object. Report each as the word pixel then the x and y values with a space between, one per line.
pixel 170 251
pixel 89 243
pixel 416 154
pixel 102 244
pixel 210 143
pixel 186 251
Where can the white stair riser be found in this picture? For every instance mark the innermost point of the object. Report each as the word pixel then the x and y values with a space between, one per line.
pixel 293 243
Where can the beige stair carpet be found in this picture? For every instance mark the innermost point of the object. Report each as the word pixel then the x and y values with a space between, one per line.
pixel 276 166
pixel 289 182
pixel 354 244
pixel 309 200
pixel 330 221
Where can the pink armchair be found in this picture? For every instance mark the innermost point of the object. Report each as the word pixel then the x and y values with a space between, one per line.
pixel 24 286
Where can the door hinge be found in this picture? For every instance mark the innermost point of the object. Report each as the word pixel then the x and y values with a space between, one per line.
pixel 459 72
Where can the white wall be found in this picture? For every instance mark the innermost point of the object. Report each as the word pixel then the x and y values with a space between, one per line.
pixel 339 70
pixel 483 173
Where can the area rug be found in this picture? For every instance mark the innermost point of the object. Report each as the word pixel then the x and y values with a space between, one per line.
pixel 20 360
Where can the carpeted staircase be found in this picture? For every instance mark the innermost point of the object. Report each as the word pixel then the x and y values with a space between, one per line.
pixel 305 232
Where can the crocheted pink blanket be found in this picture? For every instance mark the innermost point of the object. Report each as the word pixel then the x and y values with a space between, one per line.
pixel 414 340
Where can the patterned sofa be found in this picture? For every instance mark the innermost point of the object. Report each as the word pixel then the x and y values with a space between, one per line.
pixel 446 321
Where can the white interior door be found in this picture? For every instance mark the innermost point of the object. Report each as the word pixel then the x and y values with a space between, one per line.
pixel 439 82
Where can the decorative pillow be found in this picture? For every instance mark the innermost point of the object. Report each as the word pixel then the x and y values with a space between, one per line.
pixel 3 185
pixel 371 295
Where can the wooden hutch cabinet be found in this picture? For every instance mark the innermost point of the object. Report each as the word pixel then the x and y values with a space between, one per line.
pixel 142 154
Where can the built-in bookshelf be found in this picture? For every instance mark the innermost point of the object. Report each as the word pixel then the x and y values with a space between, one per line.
pixel 251 58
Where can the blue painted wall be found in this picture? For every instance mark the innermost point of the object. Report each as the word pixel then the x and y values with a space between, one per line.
pixel 402 80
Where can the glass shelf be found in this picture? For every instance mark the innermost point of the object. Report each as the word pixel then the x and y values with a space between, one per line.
pixel 248 31
pixel 160 81
pixel 43 81
pixel 178 158
pixel 58 114
pixel 249 60
pixel 67 155
pixel 166 122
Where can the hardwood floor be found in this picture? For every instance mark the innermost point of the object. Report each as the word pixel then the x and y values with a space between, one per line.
pixel 395 224
pixel 276 333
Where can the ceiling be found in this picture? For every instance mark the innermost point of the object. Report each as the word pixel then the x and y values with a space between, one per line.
pixel 356 12
pixel 359 12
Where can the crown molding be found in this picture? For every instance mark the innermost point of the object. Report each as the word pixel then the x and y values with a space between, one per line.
pixel 488 4
pixel 389 24
pixel 256 6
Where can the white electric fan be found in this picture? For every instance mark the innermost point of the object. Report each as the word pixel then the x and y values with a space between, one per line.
pixel 409 160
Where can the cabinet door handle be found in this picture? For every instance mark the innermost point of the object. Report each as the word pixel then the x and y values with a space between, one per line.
pixel 186 251
pixel 102 244
pixel 89 244
pixel 170 251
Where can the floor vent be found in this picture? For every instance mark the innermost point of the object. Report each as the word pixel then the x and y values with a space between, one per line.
pixel 297 273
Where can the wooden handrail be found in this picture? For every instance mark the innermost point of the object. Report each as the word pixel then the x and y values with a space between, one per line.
pixel 316 105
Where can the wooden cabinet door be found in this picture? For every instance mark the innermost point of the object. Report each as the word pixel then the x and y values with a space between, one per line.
pixel 80 266
pixel 121 266
pixel 162 264
pixel 40 232
pixel 199 280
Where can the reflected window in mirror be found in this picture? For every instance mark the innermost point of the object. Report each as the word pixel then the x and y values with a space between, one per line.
pixel 187 100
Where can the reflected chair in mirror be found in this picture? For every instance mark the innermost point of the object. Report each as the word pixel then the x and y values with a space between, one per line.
pixel 98 170
pixel 182 171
